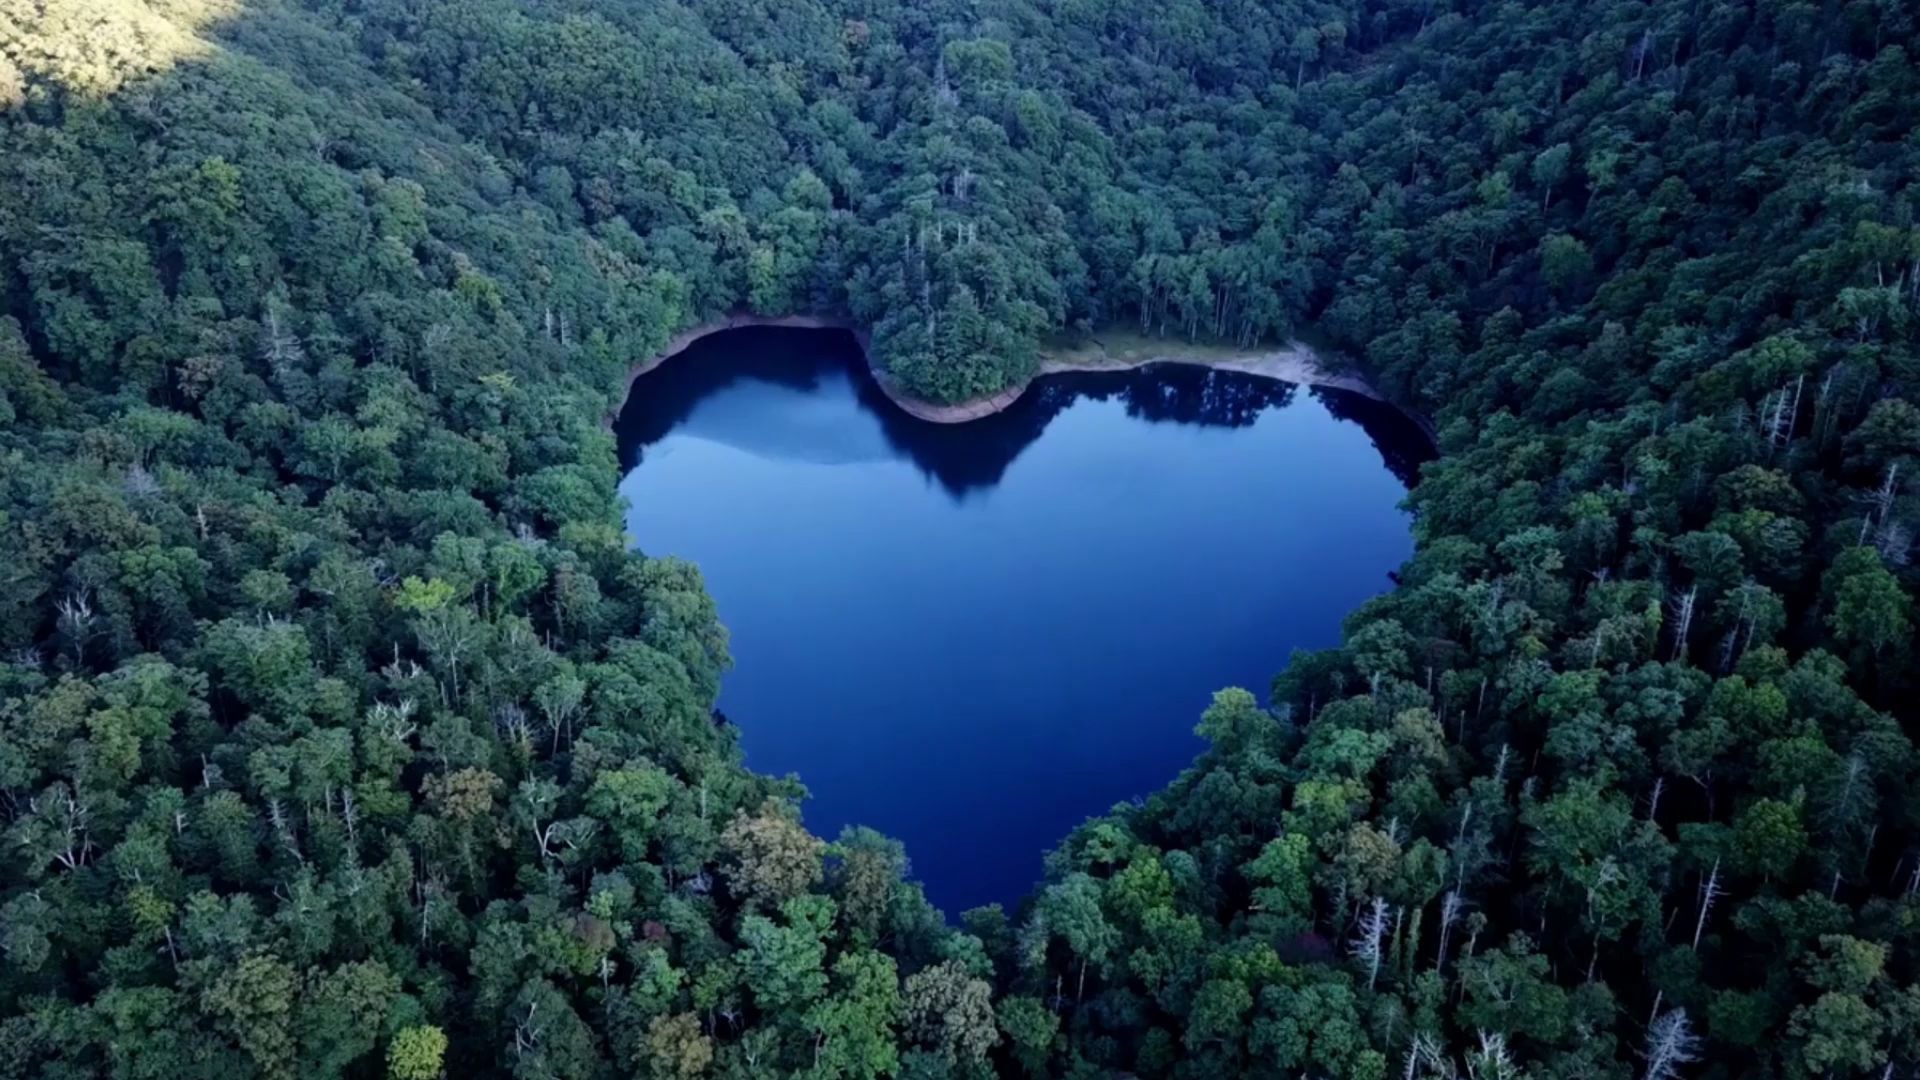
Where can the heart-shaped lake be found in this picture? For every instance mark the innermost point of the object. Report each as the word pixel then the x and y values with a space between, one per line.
pixel 972 637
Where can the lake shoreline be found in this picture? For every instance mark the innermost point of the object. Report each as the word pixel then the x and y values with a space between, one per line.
pixel 769 459
pixel 1292 363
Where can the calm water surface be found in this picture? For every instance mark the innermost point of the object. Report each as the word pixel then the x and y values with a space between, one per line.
pixel 973 637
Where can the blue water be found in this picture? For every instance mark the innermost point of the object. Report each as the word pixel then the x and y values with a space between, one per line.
pixel 972 638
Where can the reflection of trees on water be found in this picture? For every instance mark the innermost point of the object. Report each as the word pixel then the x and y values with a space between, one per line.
pixel 665 397
pixel 976 455
pixel 1175 394
pixel 967 457
pixel 1402 445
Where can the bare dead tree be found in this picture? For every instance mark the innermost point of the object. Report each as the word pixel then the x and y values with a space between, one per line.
pixel 1369 941
pixel 1825 415
pixel 395 721
pixel 943 91
pixel 1894 541
pixel 1683 622
pixel 279 346
pixel 139 482
pixel 1671 1043
pixel 76 836
pixel 1793 412
pixel 511 720
pixel 76 622
pixel 277 816
pixel 1450 906
pixel 1710 891
pixel 1777 423
pixel 1491 1060
pixel 350 817
pixel 1426 1058
pixel 1880 503
pixel 526 1031
pixel 1847 801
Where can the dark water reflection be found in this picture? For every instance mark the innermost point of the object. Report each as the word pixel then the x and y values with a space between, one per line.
pixel 971 637
pixel 965 457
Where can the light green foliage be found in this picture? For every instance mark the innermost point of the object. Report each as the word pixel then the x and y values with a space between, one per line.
pixel 784 965
pixel 854 1026
pixel 416 1053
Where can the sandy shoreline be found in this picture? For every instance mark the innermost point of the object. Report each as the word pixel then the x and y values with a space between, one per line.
pixel 1294 363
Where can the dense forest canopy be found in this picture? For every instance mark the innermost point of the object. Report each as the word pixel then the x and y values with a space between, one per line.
pixel 342 735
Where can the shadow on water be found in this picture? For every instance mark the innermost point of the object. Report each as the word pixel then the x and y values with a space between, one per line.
pixel 1403 446
pixel 964 458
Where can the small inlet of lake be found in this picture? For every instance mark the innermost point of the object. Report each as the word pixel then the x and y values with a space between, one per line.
pixel 972 637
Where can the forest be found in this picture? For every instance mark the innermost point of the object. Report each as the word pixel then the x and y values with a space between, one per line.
pixel 342 734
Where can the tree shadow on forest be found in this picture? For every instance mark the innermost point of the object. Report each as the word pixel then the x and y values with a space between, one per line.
pixel 973 456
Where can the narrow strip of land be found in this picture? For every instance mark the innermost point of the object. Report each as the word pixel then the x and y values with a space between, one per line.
pixel 1294 362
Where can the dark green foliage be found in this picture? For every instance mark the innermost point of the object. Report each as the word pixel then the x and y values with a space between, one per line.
pixel 341 734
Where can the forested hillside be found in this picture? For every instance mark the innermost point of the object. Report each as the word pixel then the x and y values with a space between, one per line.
pixel 341 733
